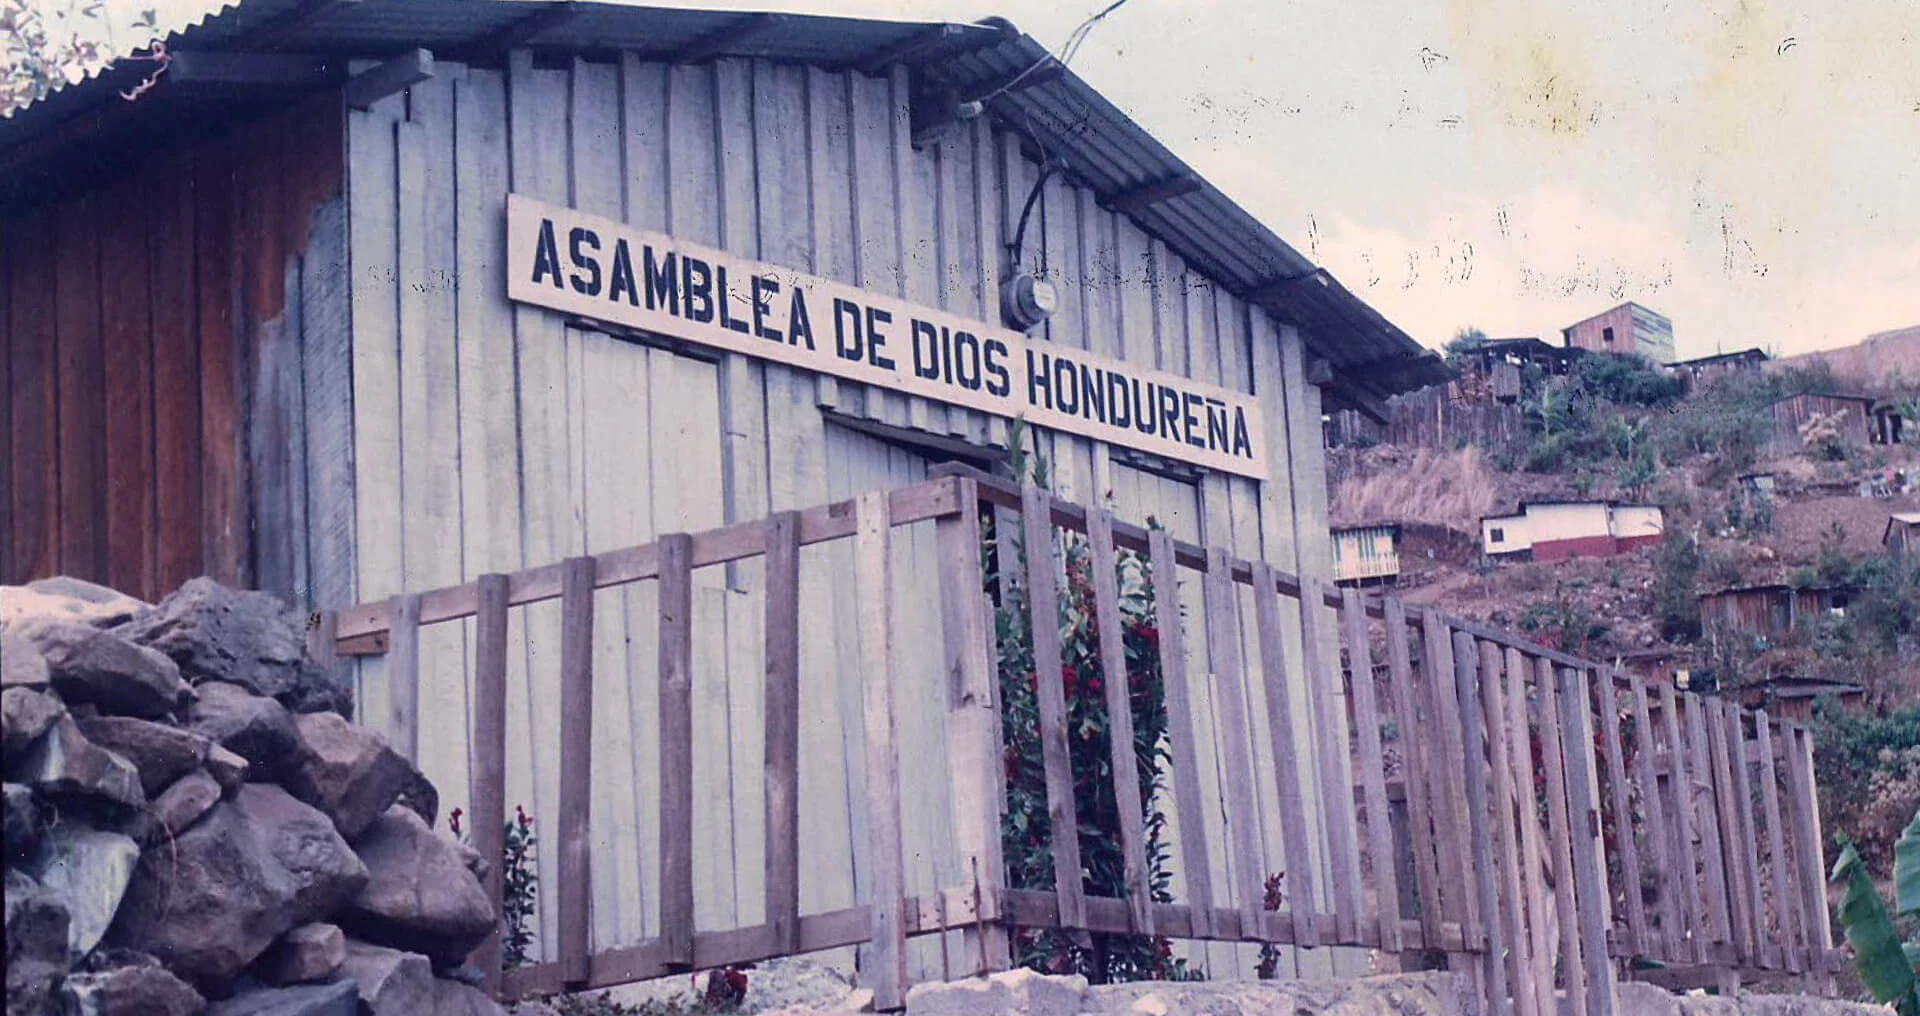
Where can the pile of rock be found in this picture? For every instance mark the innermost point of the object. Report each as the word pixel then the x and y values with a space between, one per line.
pixel 192 826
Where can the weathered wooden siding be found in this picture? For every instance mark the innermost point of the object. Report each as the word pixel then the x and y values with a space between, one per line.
pixel 160 337
pixel 490 436
pixel 1790 414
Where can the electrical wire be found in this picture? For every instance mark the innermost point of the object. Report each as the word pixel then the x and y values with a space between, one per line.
pixel 1067 50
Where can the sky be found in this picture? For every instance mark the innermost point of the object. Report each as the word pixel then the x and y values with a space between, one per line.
pixel 1750 168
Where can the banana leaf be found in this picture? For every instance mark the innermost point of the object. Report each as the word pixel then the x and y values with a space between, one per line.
pixel 1877 952
pixel 1906 869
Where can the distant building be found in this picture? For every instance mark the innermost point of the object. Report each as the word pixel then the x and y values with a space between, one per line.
pixel 1772 611
pixel 1887 425
pixel 1793 698
pixel 1366 555
pixel 1903 533
pixel 1628 328
pixel 1760 485
pixel 1701 370
pixel 1795 411
pixel 1521 352
pixel 1557 530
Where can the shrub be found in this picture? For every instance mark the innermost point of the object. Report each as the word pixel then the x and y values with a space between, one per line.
pixel 1626 380
pixel 1867 769
pixel 1675 601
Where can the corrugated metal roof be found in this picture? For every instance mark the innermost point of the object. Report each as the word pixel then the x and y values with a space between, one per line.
pixel 1371 359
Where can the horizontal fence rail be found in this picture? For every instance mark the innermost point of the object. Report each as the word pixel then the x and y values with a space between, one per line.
pixel 1446 790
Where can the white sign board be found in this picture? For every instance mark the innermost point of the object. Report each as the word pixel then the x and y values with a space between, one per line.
pixel 596 268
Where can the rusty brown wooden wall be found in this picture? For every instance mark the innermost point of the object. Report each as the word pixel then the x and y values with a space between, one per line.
pixel 147 363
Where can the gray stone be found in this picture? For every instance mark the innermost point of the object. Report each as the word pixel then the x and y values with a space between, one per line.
pixel 1017 992
pixel 338 999
pixel 64 764
pixel 160 752
pixel 25 820
pixel 227 767
pixel 211 901
pixel 25 714
pixel 251 639
pixel 36 937
pixel 87 664
pixel 421 798
pixel 451 998
pixel 88 870
pixel 1423 994
pixel 255 727
pixel 181 805
pixel 391 982
pixel 311 952
pixel 21 665
pixel 418 895
pixel 136 989
pixel 66 599
pixel 346 771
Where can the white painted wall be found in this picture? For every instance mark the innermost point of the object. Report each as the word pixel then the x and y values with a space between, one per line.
pixel 490 437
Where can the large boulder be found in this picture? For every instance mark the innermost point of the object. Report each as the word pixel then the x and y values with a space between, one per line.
pixel 21 665
pixel 419 895
pixel 311 952
pixel 25 714
pixel 211 901
pixel 88 870
pixel 451 998
pixel 25 820
pixel 63 764
pixel 246 638
pixel 341 998
pixel 346 771
pixel 256 728
pixel 391 982
pixel 134 985
pixel 161 753
pixel 86 664
pixel 36 933
pixel 183 803
pixel 66 599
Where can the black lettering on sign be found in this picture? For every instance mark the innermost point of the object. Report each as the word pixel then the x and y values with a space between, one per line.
pixel 723 295
pixel 1145 419
pixel 926 350
pixel 996 357
pixel 1189 402
pixel 1120 411
pixel 764 286
pixel 1093 392
pixel 1242 444
pixel 966 360
pixel 623 275
pixel 663 282
pixel 850 347
pixel 799 327
pixel 546 255
pixel 1169 413
pixel 579 242
pixel 1066 386
pixel 696 278
pixel 1039 382
pixel 1216 424
pixel 876 338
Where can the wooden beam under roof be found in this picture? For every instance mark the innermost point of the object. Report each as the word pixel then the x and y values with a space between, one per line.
pixel 375 83
pixel 912 46
pixel 275 33
pixel 260 70
pixel 729 38
pixel 524 31
pixel 1152 193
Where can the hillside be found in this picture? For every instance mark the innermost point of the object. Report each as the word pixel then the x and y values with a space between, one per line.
pixel 1866 364
pixel 1615 429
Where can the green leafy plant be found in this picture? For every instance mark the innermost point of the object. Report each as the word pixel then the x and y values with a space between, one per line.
pixel 1889 969
pixel 1026 835
pixel 520 881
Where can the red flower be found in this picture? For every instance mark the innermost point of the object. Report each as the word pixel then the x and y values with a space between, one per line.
pixel 453 820
pixel 525 819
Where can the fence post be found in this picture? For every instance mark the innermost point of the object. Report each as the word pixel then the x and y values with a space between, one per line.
pixel 1475 733
pixel 576 768
pixel 973 721
pixel 782 763
pixel 489 789
pixel 1036 518
pixel 676 749
pixel 403 675
pixel 1589 865
pixel 873 592
pixel 1813 882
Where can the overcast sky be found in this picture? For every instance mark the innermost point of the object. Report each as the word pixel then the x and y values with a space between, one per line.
pixel 1751 168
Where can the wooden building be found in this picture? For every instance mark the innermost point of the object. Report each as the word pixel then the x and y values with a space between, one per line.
pixel 1704 369
pixel 1849 413
pixel 1887 424
pixel 362 299
pixel 1903 533
pixel 1557 530
pixel 1628 328
pixel 1770 611
pixel 1366 555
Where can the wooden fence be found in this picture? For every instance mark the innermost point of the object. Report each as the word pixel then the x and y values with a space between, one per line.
pixel 1541 822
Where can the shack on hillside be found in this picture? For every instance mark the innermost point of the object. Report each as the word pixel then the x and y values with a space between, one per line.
pixel 1702 370
pixel 1557 530
pixel 1770 611
pixel 1903 533
pixel 1846 414
pixel 1628 328
pixel 1366 555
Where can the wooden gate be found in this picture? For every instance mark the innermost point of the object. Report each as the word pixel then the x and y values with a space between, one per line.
pixel 1562 822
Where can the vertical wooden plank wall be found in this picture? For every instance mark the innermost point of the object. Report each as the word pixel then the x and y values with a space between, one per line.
pixel 156 395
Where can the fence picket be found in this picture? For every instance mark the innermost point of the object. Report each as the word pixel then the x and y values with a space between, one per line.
pixel 1373 784
pixel 1560 835
pixel 1589 860
pixel 1526 803
pixel 1302 893
pixel 1223 642
pixel 1506 842
pixel 1036 517
pixel 1180 731
pixel 1335 768
pixel 1745 854
pixel 1660 840
pixel 1475 730
pixel 1806 826
pixel 873 555
pixel 1704 795
pixel 1126 768
pixel 676 749
pixel 1686 879
pixel 783 728
pixel 1787 929
pixel 488 795
pixel 1445 708
pixel 1416 767
pixel 403 676
pixel 1633 938
pixel 576 768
